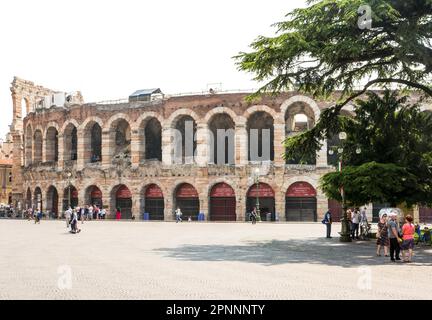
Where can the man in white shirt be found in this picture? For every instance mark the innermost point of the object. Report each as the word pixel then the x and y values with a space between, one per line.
pixel 355 219
pixel 178 214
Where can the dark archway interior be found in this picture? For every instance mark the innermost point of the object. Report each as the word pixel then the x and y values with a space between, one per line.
pixel 38 138
pixel 153 140
pixel 96 143
pixel 261 120
pixel 122 138
pixel 185 150
pixel 71 143
pixel 225 122
pixel 52 145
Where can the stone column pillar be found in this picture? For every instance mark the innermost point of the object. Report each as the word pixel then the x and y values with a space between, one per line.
pixel 280 205
pixel 135 148
pixel 44 151
pixel 168 211
pixel 241 148
pixel 322 205
pixel 107 147
pixel 136 208
pixel 60 151
pixel 204 204
pixel 321 155
pixel 167 146
pixel 81 154
pixel 279 149
pixel 202 144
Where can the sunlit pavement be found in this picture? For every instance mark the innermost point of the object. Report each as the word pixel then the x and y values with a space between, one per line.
pixel 165 260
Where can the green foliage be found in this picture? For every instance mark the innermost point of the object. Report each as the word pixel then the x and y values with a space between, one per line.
pixel 370 182
pixel 321 49
pixel 396 153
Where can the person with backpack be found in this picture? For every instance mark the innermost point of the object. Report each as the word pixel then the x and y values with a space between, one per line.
pixel 328 222
pixel 408 230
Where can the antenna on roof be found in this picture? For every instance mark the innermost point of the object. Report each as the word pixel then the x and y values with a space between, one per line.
pixel 214 88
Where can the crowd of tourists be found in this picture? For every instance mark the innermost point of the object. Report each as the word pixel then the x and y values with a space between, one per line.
pixel 395 237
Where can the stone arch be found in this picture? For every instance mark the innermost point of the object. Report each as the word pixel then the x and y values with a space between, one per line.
pixel 220 110
pixel 119 135
pixel 299 98
pixel 93 195
pixel 260 127
pixel 190 204
pixel 221 147
pixel 67 123
pixel 152 203
pixel 51 143
pixel 52 199
pixel 170 122
pixel 90 121
pixel 143 118
pixel 70 141
pixel 149 130
pixel 299 115
pixel 184 138
pixel 90 132
pixel 121 197
pixel 312 181
pixel 115 119
pixel 28 199
pixel 222 201
pixel 301 201
pixel 38 197
pixel 253 109
pixel 37 145
pixel 51 124
pixel 266 197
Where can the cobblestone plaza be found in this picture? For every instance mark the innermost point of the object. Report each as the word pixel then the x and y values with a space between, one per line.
pixel 165 260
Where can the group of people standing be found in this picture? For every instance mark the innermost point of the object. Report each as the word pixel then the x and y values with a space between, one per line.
pixel 358 222
pixel 33 214
pixel 391 235
pixel 89 212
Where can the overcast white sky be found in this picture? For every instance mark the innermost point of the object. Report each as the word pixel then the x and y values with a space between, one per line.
pixel 108 49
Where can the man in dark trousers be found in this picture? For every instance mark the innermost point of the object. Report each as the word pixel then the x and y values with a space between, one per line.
pixel 328 222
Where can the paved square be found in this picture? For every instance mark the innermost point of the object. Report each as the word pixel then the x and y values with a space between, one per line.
pixel 161 260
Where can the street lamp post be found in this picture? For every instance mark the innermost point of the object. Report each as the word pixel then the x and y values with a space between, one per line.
pixel 345 227
pixel 256 171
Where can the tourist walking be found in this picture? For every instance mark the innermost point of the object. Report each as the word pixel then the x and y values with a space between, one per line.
pixel 408 230
pixel 82 215
pixel 355 220
pixel 118 214
pixel 382 236
pixel 68 216
pixel 254 215
pixel 328 222
pixel 178 215
pixel 30 214
pixel 102 213
pixel 90 212
pixel 38 216
pixel 74 222
pixel 394 237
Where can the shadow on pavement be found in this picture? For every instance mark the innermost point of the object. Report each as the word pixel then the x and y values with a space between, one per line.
pixel 313 251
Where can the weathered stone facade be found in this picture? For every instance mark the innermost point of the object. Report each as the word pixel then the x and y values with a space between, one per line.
pixel 43 141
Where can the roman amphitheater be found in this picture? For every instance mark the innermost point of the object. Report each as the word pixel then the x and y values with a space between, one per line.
pixel 120 154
